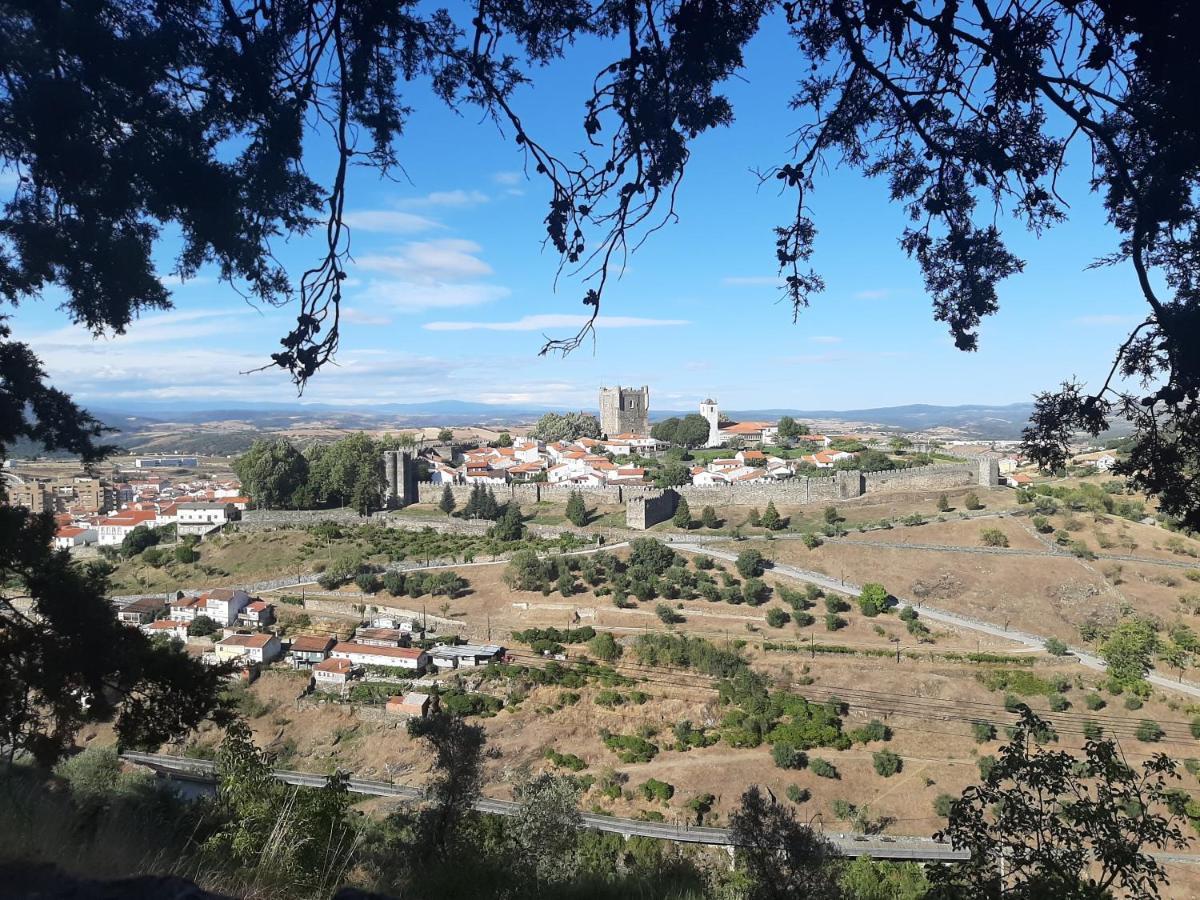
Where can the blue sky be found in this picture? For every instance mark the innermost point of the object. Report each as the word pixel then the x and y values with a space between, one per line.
pixel 451 290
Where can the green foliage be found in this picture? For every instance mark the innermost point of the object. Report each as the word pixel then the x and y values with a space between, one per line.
pixel 683 515
pixel 651 555
pixel 943 804
pixel 886 763
pixel 447 503
pixel 553 427
pixel 203 626
pixel 577 513
pixel 1128 651
pixel 1021 681
pixel 630 748
pixel 770 519
pixel 993 537
pixel 274 473
pixel 873 599
pixel 797 794
pixel 565 760
pixel 1150 731
pixel 1094 701
pixel 971 501
pixel 786 756
pixel 186 554
pixel 866 879
pixel 708 518
pixel 822 768
pixel 1055 647
pixel 983 731
pixel 777 618
pixel 511 524
pixel 604 647
pixel 656 791
pixel 749 563
pixel 690 431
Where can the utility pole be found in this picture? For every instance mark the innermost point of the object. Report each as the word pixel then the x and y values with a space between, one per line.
pixel 812 644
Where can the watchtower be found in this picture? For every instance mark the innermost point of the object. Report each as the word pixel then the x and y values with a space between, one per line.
pixel 400 478
pixel 625 410
pixel 709 410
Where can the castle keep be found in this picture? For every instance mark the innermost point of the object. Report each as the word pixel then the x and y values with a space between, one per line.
pixel 624 410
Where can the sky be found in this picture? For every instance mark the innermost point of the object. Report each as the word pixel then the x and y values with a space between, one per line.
pixel 450 290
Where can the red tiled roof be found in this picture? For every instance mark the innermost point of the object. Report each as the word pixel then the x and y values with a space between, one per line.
pixel 311 643
pixel 69 531
pixel 245 640
pixel 337 666
pixel 396 652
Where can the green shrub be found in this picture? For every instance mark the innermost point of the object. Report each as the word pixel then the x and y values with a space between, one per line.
pixel 656 791
pixel 787 756
pixel 777 618
pixel 993 537
pixel 1059 703
pixel 1092 731
pixel 797 794
pixel 1055 647
pixel 943 804
pixel 886 763
pixel 984 731
pixel 1150 731
pixel 1094 702
pixel 822 768
pixel 986 764
pixel 565 760
pixel 630 748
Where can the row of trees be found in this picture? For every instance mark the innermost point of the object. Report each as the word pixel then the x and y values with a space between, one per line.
pixel 346 472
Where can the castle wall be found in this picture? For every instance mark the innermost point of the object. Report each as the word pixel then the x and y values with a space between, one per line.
pixel 648 510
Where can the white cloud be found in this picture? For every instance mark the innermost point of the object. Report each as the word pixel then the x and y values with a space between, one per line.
pixel 813 359
pixel 750 280
pixel 873 294
pixel 389 221
pixel 551 321
pixel 825 339
pixel 414 296
pixel 450 258
pixel 356 316
pixel 1104 320
pixel 508 179
pixel 153 328
pixel 455 198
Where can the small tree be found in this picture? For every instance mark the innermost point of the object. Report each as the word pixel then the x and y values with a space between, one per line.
pixel 447 503
pixel 1055 647
pixel 683 515
pixel 886 763
pixel 203 626
pixel 577 513
pixel 777 618
pixel 186 554
pixel 708 518
pixel 787 756
pixel 511 525
pixel 993 537
pixel 943 503
pixel 971 501
pixel 749 563
pixel 779 857
pixel 604 647
pixel 445 436
pixel 832 516
pixel 1047 824
pixel 873 599
pixel 771 519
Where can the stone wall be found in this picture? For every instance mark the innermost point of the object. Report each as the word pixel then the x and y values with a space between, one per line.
pixel 923 478
pixel 527 493
pixel 265 519
pixel 648 510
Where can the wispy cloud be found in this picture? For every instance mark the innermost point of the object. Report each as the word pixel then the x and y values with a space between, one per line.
pixel 750 280
pixel 414 296
pixel 449 258
pixel 508 179
pixel 389 221
pixel 1105 320
pixel 825 339
pixel 873 294
pixel 153 328
pixel 550 321
pixel 355 316
pixel 455 198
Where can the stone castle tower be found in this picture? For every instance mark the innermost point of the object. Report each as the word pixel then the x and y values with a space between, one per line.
pixel 624 410
pixel 709 410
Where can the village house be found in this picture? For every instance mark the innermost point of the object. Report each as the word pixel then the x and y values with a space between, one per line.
pixel 257 614
pixel 185 609
pixel 825 459
pixel 142 611
pixel 259 648
pixel 201 518
pixel 451 656
pixel 332 674
pixel 224 605
pixel 113 529
pixel 68 536
pixel 407 658
pixel 176 631
pixel 306 650
pixel 381 637
pixel 413 705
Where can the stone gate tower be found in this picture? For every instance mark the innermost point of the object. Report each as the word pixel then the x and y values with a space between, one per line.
pixel 624 410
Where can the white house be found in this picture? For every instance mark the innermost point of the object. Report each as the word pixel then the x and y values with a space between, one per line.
pixel 185 609
pixel 69 536
pixel 200 518
pixel 259 648
pixel 453 656
pixel 224 605
pixel 257 613
pixel 331 674
pixel 409 658
pixel 1105 462
pixel 381 637
pixel 177 631
pixel 113 529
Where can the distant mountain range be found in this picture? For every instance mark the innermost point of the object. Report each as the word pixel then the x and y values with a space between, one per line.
pixel 972 420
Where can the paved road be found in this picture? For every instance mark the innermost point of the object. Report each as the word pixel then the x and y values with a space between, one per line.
pixel 1090 660
pixel 912 848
